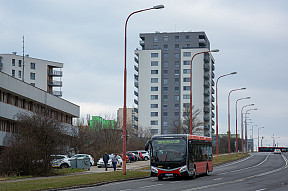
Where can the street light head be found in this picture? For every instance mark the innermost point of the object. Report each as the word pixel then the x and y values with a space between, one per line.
pixel 252 104
pixel 215 50
pixel 233 73
pixel 243 88
pixel 158 7
pixel 247 97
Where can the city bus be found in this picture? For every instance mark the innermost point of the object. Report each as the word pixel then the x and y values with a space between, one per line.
pixel 178 155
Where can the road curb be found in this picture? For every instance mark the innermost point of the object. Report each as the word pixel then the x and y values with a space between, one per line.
pixel 98 184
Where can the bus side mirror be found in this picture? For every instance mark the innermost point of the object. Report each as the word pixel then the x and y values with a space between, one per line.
pixel 147 145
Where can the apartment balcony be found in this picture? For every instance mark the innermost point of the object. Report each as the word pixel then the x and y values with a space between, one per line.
pixel 135 118
pixel 206 101
pixel 213 67
pixel 212 91
pixel 136 84
pixel 206 58
pixel 206 109
pixel 212 114
pixel 136 60
pixel 202 42
pixel 212 82
pixel 136 68
pixel 212 123
pixel 57 93
pixel 206 75
pixel 55 83
pixel 206 92
pixel 206 118
pixel 206 84
pixel 212 75
pixel 136 110
pixel 136 93
pixel 55 73
pixel 136 101
pixel 136 77
pixel 212 98
pixel 142 43
pixel 212 106
pixel 206 67
pixel 207 127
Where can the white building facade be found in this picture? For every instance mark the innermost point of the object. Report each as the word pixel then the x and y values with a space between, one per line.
pixel 162 78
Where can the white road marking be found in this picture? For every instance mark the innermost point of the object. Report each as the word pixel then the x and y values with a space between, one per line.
pixel 262 189
pixel 150 186
pixel 218 178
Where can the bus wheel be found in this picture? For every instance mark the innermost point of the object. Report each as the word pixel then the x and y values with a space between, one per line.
pixel 160 178
pixel 207 171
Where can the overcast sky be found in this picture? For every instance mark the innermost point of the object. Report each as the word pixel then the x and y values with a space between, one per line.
pixel 88 37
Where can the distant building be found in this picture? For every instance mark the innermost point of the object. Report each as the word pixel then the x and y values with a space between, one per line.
pixel 98 122
pixel 162 77
pixel 131 120
pixel 42 74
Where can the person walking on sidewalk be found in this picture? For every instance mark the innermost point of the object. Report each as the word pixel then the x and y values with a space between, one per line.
pixel 114 161
pixel 105 160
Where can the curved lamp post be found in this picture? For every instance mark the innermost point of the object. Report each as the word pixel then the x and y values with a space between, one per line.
pixel 232 73
pixel 215 50
pixel 125 84
pixel 246 128
pixel 229 116
pixel 242 136
pixel 236 124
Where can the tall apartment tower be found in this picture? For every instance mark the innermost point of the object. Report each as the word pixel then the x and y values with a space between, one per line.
pixel 162 80
pixel 42 74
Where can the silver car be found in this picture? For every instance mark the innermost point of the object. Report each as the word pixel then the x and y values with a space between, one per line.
pixel 60 161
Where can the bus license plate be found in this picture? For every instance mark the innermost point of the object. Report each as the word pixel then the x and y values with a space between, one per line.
pixel 168 174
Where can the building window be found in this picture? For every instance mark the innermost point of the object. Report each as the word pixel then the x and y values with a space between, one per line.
pixel 165 55
pixel 177 38
pixel 186 79
pixel 154 97
pixel 165 89
pixel 177 89
pixel 187 38
pixel 177 80
pixel 186 105
pixel 154 105
pixel 154 89
pixel 177 72
pixel 154 114
pixel 155 39
pixel 177 47
pixel 154 55
pixel 154 71
pixel 154 131
pixel 187 46
pixel 13 73
pixel 186 96
pixel 13 62
pixel 154 122
pixel 176 106
pixel 154 63
pixel 19 63
pixel 165 123
pixel 165 98
pixel 177 63
pixel 186 88
pixel 165 64
pixel 186 62
pixel 154 80
pixel 165 114
pixel 177 55
pixel 165 81
pixel 165 38
pixel 165 72
pixel 165 46
pixel 165 106
pixel 177 114
pixel 186 71
pixel 165 131
pixel 19 74
pixel 155 46
pixel 32 65
pixel 186 54
pixel 32 76
pixel 176 97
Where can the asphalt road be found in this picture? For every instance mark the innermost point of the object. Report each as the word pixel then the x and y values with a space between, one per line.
pixel 259 172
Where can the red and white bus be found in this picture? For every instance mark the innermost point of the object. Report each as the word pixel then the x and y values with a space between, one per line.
pixel 179 155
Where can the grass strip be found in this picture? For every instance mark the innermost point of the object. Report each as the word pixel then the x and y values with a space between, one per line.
pixel 69 181
pixel 225 158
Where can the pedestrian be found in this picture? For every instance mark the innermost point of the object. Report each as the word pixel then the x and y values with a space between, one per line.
pixel 114 161
pixel 105 160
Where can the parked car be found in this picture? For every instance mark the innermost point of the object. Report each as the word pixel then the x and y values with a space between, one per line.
pixel 138 154
pixel 127 158
pixel 60 161
pixel 100 162
pixel 131 157
pixel 277 151
pixel 84 155
pixel 145 154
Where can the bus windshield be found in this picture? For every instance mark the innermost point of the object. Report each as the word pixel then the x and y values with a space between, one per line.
pixel 171 150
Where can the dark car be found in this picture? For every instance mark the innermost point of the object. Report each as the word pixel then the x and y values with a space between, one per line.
pixel 131 157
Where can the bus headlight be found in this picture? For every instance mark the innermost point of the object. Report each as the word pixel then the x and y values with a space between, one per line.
pixel 153 169
pixel 183 169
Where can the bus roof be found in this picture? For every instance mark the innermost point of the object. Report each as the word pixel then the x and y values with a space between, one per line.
pixel 193 137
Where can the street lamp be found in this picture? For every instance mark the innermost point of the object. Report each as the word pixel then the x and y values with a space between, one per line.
pixel 274 145
pixel 236 124
pixel 229 116
pixel 253 137
pixel 242 137
pixel 246 128
pixel 125 84
pixel 258 136
pixel 232 73
pixel 215 50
